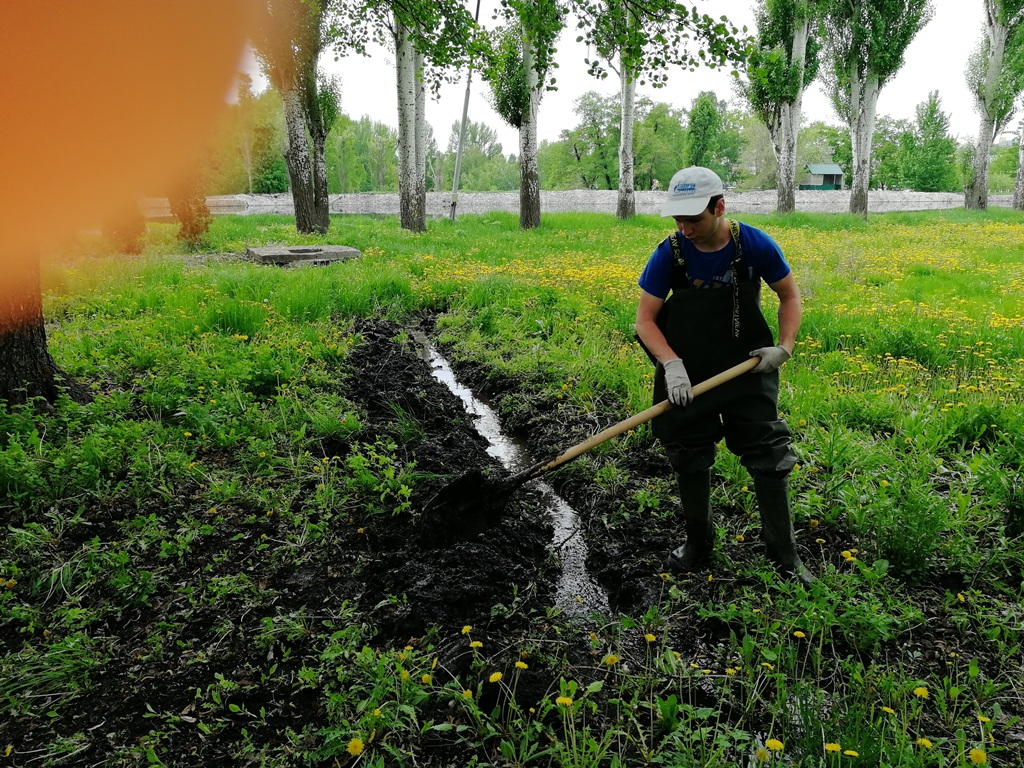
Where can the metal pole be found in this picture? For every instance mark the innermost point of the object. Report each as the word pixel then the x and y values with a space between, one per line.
pixel 462 131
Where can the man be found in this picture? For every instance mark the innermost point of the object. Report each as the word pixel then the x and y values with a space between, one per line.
pixel 713 268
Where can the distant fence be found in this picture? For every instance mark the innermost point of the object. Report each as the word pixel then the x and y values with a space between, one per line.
pixel 581 200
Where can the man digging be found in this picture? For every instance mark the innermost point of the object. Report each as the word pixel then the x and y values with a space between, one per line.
pixel 700 313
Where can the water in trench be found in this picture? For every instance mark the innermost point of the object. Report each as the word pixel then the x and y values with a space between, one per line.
pixel 577 593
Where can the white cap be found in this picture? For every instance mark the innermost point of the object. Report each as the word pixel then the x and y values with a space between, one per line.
pixel 690 191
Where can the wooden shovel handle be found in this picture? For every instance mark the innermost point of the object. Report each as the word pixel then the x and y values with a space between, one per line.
pixel 637 419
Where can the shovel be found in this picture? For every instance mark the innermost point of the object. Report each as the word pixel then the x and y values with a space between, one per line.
pixel 474 501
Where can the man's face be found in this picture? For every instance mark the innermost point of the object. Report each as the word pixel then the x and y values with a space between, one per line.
pixel 698 229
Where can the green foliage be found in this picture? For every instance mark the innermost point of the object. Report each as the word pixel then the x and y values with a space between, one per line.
pixel 188 205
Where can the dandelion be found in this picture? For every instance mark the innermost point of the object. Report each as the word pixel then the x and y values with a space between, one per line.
pixel 923 742
pixel 425 679
pixel 978 756
pixel 767 666
pixel 467 629
pixel 961 598
pixel 921 692
pixel 799 634
pixel 564 701
pixel 731 671
pixel 476 644
pixel 819 541
pixel 611 660
pixel 521 665
pixel 851 752
pixel 376 712
pixel 884 483
pixel 650 638
pixel 832 747
pixel 814 523
pixel 467 694
pixel 356 746
pixel 11 583
pixel 774 745
pixel 984 719
pixel 889 710
pixel 188 434
pixel 740 538
pixel 762 754
pixel 495 677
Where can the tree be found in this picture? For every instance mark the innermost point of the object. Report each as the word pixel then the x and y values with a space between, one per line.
pixel 288 50
pixel 823 143
pixel 595 141
pixel 1018 187
pixel 702 130
pixel 865 41
pixel 932 162
pixel 892 146
pixel 641 41
pixel 518 74
pixel 659 143
pixel 995 77
pixel 782 64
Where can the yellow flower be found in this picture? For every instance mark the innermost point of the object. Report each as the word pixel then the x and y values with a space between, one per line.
pixel 799 634
pixel 467 694
pixel 405 674
pixel 767 666
pixel 984 719
pixel 923 742
pixel 819 541
pixel 921 692
pixel 730 671
pixel 978 756
pixel 763 755
pixel 611 659
pixel 467 629
pixel 188 434
pixel 355 747
pixel 774 745
pixel 426 679
pixel 851 752
pixel 832 747
pixel 563 701
pixel 740 538
pixel 960 597
pixel 495 677
pixel 476 644
pixel 520 665
pixel 650 638
pixel 889 710
pixel 814 523
pixel 376 712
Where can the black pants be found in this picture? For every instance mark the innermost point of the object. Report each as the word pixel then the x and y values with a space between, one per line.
pixel 744 411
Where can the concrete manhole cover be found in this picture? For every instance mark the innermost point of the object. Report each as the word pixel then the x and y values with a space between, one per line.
pixel 301 256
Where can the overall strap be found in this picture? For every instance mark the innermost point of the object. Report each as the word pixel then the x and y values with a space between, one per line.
pixel 737 266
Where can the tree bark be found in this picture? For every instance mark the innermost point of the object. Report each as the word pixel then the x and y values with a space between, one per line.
pixel 321 201
pixel 27 370
pixel 786 131
pixel 626 207
pixel 976 191
pixel 1018 186
pixel 863 102
pixel 411 204
pixel 529 175
pixel 296 158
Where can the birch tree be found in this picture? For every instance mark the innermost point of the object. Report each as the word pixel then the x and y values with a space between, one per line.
pixel 1018 186
pixel 518 74
pixel 994 78
pixel 641 42
pixel 782 64
pixel 288 51
pixel 865 42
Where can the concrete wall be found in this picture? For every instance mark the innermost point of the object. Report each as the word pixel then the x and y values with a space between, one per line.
pixel 595 201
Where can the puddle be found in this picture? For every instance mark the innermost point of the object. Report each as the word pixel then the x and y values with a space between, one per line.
pixel 577 593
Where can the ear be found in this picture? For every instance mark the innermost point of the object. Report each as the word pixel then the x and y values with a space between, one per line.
pixel 720 207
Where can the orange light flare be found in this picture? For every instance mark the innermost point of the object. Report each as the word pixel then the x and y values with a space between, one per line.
pixel 103 101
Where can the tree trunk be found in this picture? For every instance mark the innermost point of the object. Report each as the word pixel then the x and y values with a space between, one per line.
pixel 411 205
pixel 296 158
pixel 863 102
pixel 785 133
pixel 626 207
pixel 421 139
pixel 976 191
pixel 529 175
pixel 27 370
pixel 1018 186
pixel 321 201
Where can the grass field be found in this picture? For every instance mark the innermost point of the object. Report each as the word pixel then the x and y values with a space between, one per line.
pixel 225 437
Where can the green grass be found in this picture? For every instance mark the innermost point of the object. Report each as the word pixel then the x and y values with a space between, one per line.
pixel 906 396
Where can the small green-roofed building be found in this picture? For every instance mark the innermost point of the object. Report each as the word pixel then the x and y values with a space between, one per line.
pixel 822 176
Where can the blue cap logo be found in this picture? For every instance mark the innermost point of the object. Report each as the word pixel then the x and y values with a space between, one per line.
pixel 684 188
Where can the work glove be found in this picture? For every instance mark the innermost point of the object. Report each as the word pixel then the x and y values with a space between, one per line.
pixel 677 382
pixel 772 358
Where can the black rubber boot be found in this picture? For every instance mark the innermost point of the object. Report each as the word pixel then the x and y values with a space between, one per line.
pixel 695 498
pixel 777 527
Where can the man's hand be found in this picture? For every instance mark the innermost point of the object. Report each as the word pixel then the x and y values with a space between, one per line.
pixel 677 382
pixel 772 358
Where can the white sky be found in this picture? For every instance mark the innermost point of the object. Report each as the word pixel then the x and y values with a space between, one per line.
pixel 935 60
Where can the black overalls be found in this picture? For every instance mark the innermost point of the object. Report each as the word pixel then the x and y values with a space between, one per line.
pixel 711 330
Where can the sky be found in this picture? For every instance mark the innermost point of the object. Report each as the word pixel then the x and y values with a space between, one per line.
pixel 935 60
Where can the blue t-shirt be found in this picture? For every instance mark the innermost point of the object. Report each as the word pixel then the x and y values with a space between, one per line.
pixel 711 270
